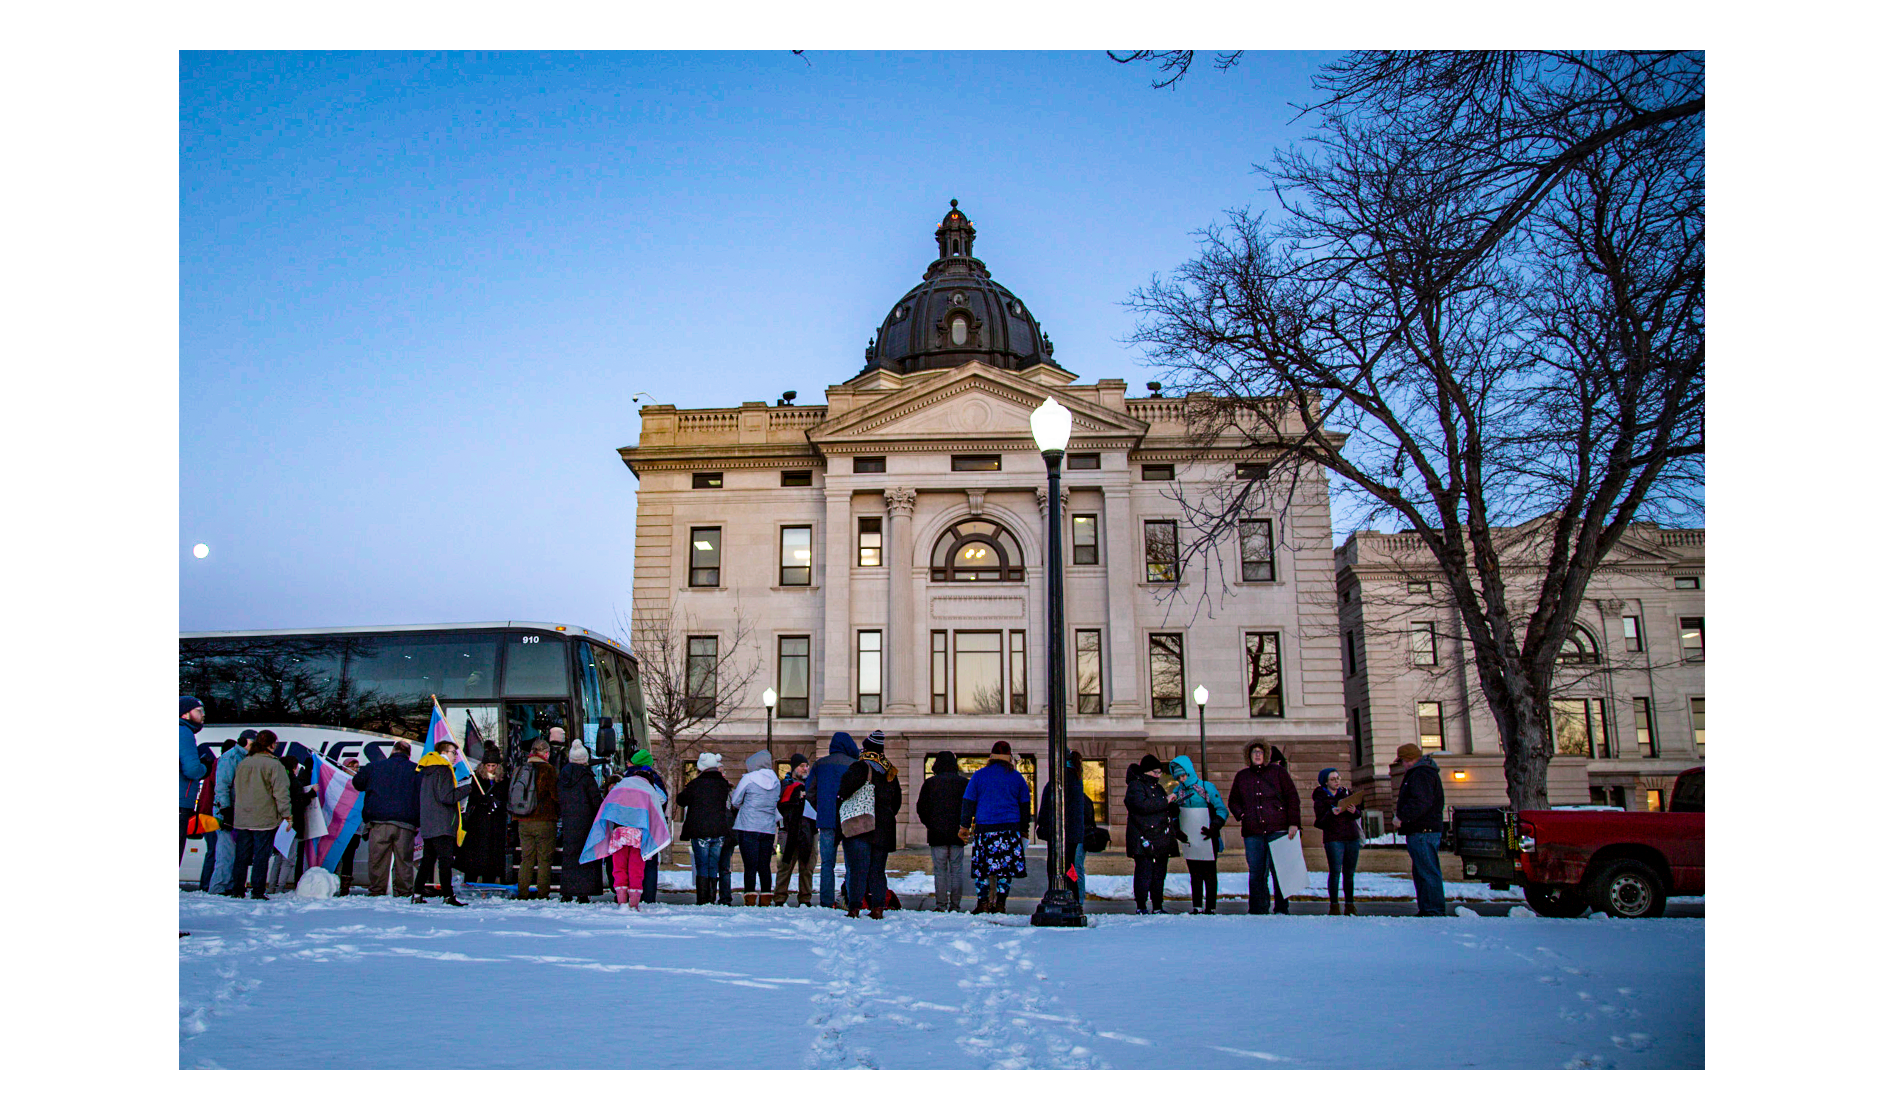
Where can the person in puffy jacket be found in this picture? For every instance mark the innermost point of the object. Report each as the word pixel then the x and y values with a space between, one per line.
pixel 390 813
pixel 821 802
pixel 577 799
pixel 866 857
pixel 1264 800
pixel 755 823
pixel 706 823
pixel 190 768
pixel 799 846
pixel 1420 813
pixel 939 808
pixel 1150 831
pixel 1201 817
pixel 996 809
pixel 261 803
pixel 1340 835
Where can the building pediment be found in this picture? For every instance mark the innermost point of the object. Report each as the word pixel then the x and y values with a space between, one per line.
pixel 974 399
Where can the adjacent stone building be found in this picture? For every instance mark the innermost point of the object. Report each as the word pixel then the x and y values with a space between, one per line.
pixel 887 549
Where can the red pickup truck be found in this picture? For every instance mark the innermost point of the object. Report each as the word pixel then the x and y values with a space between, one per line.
pixel 1567 860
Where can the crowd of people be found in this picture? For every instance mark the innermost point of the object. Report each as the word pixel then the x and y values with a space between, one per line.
pixel 607 834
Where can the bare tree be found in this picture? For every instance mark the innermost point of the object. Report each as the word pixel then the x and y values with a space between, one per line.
pixel 1480 312
pixel 687 698
pixel 1175 64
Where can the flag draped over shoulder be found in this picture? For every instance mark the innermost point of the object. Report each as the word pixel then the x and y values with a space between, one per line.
pixel 633 804
pixel 339 806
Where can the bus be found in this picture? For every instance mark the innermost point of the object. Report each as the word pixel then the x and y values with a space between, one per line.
pixel 350 692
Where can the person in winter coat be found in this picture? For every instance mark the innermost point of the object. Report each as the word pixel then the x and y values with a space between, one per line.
pixel 441 801
pixel 706 822
pixel 578 796
pixel 755 824
pixel 1340 835
pixel 939 808
pixel 261 803
pixel 630 829
pixel 1150 831
pixel 390 813
pixel 1420 814
pixel 285 870
pixel 222 841
pixel 799 846
pixel 1201 817
pixel 821 798
pixel 536 829
pixel 1079 819
pixel 866 857
pixel 486 824
pixel 190 768
pixel 996 809
pixel 1264 800
pixel 641 765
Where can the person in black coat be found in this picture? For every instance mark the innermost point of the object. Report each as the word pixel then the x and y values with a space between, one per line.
pixel 800 847
pixel 1420 813
pixel 707 821
pixel 1150 832
pixel 486 824
pixel 872 849
pixel 1079 820
pixel 939 808
pixel 578 798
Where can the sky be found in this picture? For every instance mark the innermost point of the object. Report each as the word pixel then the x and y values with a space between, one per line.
pixel 419 293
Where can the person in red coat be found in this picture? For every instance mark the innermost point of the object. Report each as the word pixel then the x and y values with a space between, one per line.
pixel 1264 802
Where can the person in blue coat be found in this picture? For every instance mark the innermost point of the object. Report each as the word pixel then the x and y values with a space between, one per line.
pixel 1201 816
pixel 821 799
pixel 190 768
pixel 996 809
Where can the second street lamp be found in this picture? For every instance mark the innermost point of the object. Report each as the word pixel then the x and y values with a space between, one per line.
pixel 770 700
pixel 1202 696
pixel 1053 429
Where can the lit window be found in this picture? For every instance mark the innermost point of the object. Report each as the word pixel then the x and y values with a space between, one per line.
pixel 1259 550
pixel 975 550
pixel 1423 643
pixel 869 672
pixel 794 677
pixel 1631 633
pixel 1167 676
pixel 794 556
pixel 1263 658
pixel 1652 800
pixel 1697 713
pixel 1432 721
pixel 706 480
pixel 1086 671
pixel 1692 634
pixel 1085 538
pixel 704 567
pixel 870 542
pixel 1161 552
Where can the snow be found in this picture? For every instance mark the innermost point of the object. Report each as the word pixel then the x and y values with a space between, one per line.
pixel 1234 884
pixel 356 982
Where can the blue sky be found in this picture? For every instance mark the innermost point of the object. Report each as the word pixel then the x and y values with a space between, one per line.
pixel 419 291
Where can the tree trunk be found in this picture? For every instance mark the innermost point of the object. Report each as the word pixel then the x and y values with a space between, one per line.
pixel 1527 753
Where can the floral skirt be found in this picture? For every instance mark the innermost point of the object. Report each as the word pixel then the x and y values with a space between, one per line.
pixel 999 855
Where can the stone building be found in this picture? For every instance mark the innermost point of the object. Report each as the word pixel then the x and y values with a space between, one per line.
pixel 1629 698
pixel 887 550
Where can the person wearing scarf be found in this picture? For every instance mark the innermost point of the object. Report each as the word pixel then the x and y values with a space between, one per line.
pixel 870 852
pixel 441 820
pixel 1340 834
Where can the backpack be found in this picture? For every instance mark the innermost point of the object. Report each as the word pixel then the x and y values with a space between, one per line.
pixel 521 799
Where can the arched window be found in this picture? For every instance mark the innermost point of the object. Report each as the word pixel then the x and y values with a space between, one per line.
pixel 975 550
pixel 1579 648
pixel 958 330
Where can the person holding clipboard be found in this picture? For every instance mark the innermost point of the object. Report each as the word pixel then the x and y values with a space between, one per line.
pixel 1338 814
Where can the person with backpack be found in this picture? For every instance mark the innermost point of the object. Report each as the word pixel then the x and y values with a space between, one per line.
pixel 1201 817
pixel 190 768
pixel 532 801
pixel 1340 835
pixel 868 799
pixel 391 815
pixel 706 819
pixel 1150 831
pixel 261 804
pixel 755 805
pixel 578 796
pixel 1264 800
pixel 1079 820
pixel 440 819
pixel 996 809
pixel 799 845
pixel 821 795
pixel 939 808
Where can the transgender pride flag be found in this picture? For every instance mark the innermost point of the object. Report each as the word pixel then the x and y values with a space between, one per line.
pixel 340 806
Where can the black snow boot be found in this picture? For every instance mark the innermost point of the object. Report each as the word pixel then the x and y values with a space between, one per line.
pixel 982 904
pixel 1000 903
pixel 452 900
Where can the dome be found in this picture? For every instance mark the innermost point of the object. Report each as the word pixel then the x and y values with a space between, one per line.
pixel 957 314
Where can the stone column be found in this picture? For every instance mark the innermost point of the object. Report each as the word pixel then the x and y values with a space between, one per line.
pixel 902 637
pixel 1126 685
pixel 839 548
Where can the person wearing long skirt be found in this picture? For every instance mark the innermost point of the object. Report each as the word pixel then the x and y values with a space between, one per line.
pixel 996 809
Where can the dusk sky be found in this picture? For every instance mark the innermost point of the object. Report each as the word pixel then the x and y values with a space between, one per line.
pixel 418 292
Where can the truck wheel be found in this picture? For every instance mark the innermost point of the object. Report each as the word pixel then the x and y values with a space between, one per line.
pixel 1628 889
pixel 1555 902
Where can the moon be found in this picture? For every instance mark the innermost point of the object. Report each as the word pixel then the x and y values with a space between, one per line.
pixel 200 551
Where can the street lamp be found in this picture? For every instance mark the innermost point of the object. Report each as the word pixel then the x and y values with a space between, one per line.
pixel 1053 428
pixel 1202 696
pixel 770 700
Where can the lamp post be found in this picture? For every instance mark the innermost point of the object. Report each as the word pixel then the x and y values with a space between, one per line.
pixel 1053 428
pixel 770 700
pixel 1202 696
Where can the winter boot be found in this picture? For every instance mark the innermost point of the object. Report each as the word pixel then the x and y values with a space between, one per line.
pixel 621 896
pixel 452 900
pixel 851 911
pixel 765 898
pixel 634 900
pixel 876 912
pixel 418 898
pixel 346 885
pixel 1351 911
pixel 1000 903
pixel 1334 907
pixel 752 898
pixel 982 904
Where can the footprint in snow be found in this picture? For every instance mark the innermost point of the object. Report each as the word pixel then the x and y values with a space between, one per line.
pixel 1634 1042
pixel 1589 1061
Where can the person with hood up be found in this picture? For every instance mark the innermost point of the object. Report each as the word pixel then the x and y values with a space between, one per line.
pixel 800 844
pixel 486 823
pixel 996 809
pixel 578 797
pixel 261 804
pixel 1150 831
pixel 1420 814
pixel 1340 835
pixel 441 824
pixel 1079 819
pixel 755 823
pixel 390 812
pixel 939 808
pixel 641 765
pixel 821 801
pixel 870 787
pixel 1201 817
pixel 629 830
pixel 1264 800
pixel 190 768
pixel 536 829
pixel 706 820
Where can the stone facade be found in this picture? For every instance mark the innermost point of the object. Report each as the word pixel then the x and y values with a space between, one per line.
pixel 1629 692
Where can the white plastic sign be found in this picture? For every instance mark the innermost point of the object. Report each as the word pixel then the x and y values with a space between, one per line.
pixel 1291 868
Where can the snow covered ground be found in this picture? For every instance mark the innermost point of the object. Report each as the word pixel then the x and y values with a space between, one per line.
pixel 1230 884
pixel 357 982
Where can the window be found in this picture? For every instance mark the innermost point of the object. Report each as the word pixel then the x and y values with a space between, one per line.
pixel 977 672
pixel 1687 583
pixel 974 462
pixel 1631 633
pixel 1017 671
pixel 1347 639
pixel 1086 672
pixel 1085 538
pixel 975 550
pixel 1167 676
pixel 1092 775
pixel 1419 587
pixel 1652 800
pixel 1423 643
pixel 794 677
pixel 1579 727
pixel 1432 721
pixel 958 331
pixel 867 464
pixel 1161 553
pixel 536 665
pixel 1579 648
pixel 1645 728
pixel 869 672
pixel 939 671
pixel 794 556
pixel 1083 461
pixel 705 564
pixel 1691 639
pixel 1252 470
pixel 1356 749
pixel 706 480
pixel 1263 654
pixel 794 478
pixel 406 670
pixel 703 678
pixel 1157 472
pixel 1697 714
pixel 1259 550
pixel 1609 795
pixel 870 542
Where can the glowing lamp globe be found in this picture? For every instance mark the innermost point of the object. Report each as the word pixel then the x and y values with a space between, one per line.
pixel 1201 695
pixel 769 698
pixel 1053 426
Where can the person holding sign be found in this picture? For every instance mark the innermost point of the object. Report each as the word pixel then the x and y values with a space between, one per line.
pixel 1264 801
pixel 1337 814
pixel 1201 817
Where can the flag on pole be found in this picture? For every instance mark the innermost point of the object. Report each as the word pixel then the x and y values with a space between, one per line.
pixel 437 736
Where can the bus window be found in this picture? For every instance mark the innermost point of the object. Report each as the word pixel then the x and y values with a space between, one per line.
pixel 527 722
pixel 269 679
pixel 393 677
pixel 631 695
pixel 590 679
pixel 536 665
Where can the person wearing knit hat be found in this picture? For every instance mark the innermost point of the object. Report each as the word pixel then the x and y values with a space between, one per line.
pixel 1340 834
pixel 869 787
pixel 641 765
pixel 706 824
pixel 1264 801
pixel 707 761
pixel 1420 815
pixel 578 799
pixel 1150 765
pixel 799 848
pixel 1409 753
pixel 1150 833
pixel 190 768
